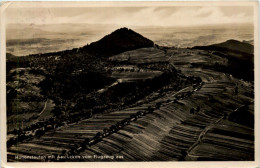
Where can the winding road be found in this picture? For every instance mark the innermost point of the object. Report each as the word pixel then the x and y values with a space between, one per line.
pixel 45 105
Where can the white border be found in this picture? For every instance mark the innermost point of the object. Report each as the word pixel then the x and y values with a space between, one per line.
pixel 197 164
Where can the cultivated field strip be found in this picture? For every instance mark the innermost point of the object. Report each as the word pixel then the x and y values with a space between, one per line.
pixel 65 137
pixel 231 141
pixel 225 141
pixel 169 133
pixel 193 127
pixel 74 133
pixel 181 130
pixel 147 55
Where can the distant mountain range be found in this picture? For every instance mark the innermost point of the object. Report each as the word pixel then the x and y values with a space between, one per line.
pixel 27 39
pixel 239 54
pixel 125 39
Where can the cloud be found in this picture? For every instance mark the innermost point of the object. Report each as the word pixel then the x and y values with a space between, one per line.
pixel 138 16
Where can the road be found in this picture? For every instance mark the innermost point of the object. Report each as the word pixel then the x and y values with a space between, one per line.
pixel 45 105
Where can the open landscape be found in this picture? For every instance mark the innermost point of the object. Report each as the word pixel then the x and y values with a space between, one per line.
pixel 154 103
pixel 26 39
pixel 128 97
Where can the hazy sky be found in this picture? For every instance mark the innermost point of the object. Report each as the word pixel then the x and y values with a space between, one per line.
pixel 138 16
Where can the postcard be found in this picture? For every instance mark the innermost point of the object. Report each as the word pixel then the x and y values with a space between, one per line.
pixel 144 84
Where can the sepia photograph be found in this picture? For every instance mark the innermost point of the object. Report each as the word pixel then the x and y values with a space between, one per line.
pixel 129 81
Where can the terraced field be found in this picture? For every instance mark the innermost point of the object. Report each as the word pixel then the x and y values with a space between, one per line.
pixel 190 124
pixel 142 55
pixel 27 106
pixel 135 76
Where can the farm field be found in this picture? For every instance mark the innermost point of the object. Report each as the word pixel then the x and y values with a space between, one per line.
pixel 142 55
pixel 29 105
pixel 135 76
pixel 172 133
pixel 197 122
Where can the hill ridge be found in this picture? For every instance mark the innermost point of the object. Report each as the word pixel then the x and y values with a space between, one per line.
pixel 119 41
pixel 231 45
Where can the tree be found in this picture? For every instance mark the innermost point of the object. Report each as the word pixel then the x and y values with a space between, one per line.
pixel 236 90
pixel 192 111
pixel 198 109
